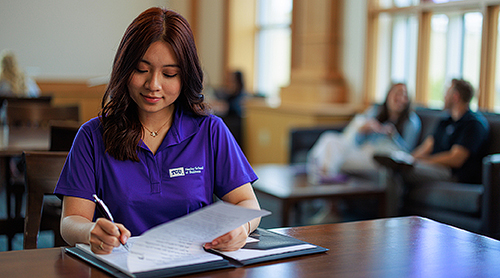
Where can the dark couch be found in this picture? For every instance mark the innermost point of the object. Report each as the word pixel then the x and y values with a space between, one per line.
pixel 474 207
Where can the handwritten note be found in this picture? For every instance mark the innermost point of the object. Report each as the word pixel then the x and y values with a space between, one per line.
pixel 179 242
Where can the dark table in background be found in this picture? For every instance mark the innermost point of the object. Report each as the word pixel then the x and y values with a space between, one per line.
pixel 288 185
pixel 391 247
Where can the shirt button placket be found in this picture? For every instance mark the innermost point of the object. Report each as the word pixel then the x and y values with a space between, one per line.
pixel 154 173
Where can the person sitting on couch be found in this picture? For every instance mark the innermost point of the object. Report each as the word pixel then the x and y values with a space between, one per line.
pixel 454 151
pixel 390 126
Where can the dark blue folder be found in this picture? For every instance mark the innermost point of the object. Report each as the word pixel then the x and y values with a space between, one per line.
pixel 267 241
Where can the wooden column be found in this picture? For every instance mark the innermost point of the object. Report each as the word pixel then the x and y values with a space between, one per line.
pixel 423 54
pixel 316 76
pixel 371 48
pixel 194 14
pixel 486 88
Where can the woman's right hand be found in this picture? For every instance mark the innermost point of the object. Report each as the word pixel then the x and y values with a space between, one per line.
pixel 106 235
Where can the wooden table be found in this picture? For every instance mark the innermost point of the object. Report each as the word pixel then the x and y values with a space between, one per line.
pixel 391 247
pixel 289 186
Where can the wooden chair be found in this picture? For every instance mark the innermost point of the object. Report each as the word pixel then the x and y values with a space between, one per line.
pixel 37 115
pixel 62 134
pixel 42 170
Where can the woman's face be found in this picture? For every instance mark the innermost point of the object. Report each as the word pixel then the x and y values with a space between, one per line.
pixel 397 100
pixel 155 83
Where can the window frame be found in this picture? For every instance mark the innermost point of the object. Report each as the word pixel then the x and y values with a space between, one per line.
pixel 259 29
pixel 490 10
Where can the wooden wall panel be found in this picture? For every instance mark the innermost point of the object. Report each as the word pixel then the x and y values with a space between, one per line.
pixel 75 92
pixel 316 53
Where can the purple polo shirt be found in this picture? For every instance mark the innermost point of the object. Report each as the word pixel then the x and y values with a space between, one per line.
pixel 198 158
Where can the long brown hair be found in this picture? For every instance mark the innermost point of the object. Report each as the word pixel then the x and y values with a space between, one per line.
pixel 119 117
pixel 383 114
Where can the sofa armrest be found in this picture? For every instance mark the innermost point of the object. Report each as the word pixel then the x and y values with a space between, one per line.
pixel 491 196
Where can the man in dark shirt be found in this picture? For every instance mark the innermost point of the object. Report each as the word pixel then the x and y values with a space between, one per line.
pixel 452 153
pixel 455 150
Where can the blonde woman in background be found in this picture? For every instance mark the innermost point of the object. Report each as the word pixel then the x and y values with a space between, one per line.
pixel 13 81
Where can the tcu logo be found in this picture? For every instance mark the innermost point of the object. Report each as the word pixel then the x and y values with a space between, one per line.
pixel 176 172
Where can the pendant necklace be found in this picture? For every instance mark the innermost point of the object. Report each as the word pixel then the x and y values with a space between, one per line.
pixel 155 133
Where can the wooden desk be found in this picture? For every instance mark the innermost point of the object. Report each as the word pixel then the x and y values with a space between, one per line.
pixel 284 184
pixel 391 247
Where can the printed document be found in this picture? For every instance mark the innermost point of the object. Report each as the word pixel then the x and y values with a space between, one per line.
pixel 180 241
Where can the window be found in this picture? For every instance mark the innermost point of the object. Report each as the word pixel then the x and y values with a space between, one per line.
pixel 426 43
pixel 397 53
pixel 455 52
pixel 473 25
pixel 497 74
pixel 274 18
pixel 437 68
pixel 398 3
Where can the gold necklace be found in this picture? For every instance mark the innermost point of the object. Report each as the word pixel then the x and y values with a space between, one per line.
pixel 155 133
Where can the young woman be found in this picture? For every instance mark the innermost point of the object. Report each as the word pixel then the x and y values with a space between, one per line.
pixel 383 128
pixel 154 153
pixel 393 118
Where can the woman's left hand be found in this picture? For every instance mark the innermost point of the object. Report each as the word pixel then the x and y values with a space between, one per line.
pixel 388 129
pixel 231 241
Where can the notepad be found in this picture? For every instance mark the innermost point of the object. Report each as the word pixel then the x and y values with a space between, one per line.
pixel 175 248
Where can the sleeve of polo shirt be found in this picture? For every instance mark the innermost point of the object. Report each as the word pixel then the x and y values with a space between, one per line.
pixel 411 132
pixel 232 169
pixel 77 178
pixel 370 113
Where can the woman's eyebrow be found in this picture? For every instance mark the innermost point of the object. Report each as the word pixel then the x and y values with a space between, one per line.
pixel 168 65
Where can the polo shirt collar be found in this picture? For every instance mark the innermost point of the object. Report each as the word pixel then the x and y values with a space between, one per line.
pixel 183 127
pixel 464 116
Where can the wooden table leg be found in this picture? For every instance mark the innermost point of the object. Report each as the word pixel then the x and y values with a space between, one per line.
pixel 285 213
pixel 382 206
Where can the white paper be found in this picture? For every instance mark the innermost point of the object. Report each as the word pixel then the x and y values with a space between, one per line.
pixel 118 256
pixel 180 241
pixel 245 254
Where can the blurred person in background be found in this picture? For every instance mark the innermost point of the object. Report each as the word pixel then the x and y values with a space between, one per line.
pixel 13 81
pixel 228 103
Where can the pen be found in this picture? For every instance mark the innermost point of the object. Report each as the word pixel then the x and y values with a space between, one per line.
pixel 107 214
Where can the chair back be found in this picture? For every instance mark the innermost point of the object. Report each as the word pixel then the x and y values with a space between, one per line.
pixel 42 170
pixel 62 134
pixel 39 115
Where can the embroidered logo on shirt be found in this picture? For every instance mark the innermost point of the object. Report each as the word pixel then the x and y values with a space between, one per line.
pixel 176 172
pixel 182 171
